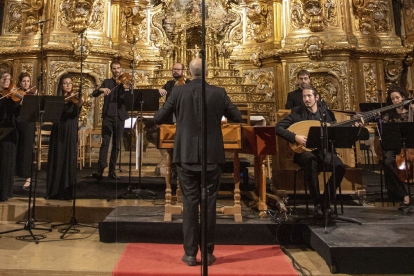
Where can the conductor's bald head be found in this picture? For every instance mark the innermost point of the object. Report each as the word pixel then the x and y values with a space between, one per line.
pixel 195 68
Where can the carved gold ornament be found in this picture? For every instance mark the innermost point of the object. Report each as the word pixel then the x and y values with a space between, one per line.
pixel 313 47
pixel 393 70
pixel 372 16
pixel 79 14
pixel 86 46
pixel 257 13
pixel 31 14
pixel 370 82
pixel 255 57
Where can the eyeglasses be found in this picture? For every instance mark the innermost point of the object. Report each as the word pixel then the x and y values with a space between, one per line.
pixel 67 83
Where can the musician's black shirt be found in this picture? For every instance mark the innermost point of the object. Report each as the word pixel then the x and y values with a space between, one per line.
pixel 298 114
pixel 114 105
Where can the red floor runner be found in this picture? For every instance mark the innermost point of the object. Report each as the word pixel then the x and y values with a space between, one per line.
pixel 165 259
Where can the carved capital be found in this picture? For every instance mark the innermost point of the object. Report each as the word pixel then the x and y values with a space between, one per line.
pixel 313 47
pixel 86 46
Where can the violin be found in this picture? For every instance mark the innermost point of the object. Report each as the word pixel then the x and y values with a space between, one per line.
pixel 73 97
pixel 401 158
pixel 125 79
pixel 180 81
pixel 16 94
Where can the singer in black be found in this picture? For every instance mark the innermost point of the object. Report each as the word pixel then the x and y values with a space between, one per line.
pixel 295 97
pixel 114 115
pixel 62 159
pixel 395 187
pixel 8 143
pixel 311 162
pixel 26 134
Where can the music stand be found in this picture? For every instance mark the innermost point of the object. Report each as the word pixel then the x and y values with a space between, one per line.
pixel 365 107
pixel 336 137
pixel 397 136
pixel 50 110
pixel 144 100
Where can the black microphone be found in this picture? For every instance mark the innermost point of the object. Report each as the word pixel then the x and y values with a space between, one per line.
pixel 41 22
pixel 82 31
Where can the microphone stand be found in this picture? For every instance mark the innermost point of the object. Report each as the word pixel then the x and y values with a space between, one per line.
pixel 380 97
pixel 204 191
pixel 73 221
pixel 29 224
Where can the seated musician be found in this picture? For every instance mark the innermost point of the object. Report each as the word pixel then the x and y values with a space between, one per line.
pixel 394 185
pixel 311 162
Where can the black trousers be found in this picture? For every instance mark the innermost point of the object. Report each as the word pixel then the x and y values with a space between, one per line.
pixel 190 183
pixel 312 164
pixel 394 185
pixel 111 127
pixel 7 165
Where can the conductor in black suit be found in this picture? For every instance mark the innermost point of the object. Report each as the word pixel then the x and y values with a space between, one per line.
pixel 114 115
pixel 295 97
pixel 185 102
pixel 311 161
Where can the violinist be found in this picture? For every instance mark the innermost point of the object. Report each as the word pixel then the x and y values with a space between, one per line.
pixel 178 79
pixel 26 134
pixel 394 185
pixel 114 115
pixel 8 143
pixel 62 158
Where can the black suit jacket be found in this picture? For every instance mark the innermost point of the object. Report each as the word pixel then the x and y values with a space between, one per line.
pixel 295 98
pixel 297 114
pixel 185 102
pixel 168 87
pixel 117 92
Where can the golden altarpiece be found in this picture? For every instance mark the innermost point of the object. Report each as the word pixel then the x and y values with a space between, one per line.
pixel 254 47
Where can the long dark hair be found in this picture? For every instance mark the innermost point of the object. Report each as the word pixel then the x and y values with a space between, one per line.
pixel 60 85
pixel 399 90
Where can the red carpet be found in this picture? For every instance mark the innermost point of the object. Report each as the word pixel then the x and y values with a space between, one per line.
pixel 165 259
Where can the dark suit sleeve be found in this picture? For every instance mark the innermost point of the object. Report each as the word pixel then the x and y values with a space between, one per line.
pixel 231 112
pixel 281 128
pixel 162 115
pixel 289 103
pixel 97 92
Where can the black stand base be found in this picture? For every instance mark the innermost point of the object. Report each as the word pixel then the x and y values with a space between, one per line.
pixel 329 218
pixel 72 223
pixel 404 211
pixel 29 226
pixel 133 193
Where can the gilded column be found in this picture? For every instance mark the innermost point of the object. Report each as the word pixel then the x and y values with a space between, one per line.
pixel 115 16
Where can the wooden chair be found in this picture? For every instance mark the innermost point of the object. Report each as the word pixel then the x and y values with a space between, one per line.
pixel 45 132
pixel 82 142
pixel 91 143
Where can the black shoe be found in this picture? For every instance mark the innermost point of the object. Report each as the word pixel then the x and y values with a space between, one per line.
pixel 98 175
pixel 317 212
pixel 210 259
pixel 189 260
pixel 113 175
pixel 404 205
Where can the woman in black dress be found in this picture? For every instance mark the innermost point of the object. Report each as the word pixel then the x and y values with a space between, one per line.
pixel 61 164
pixel 394 185
pixel 26 134
pixel 8 142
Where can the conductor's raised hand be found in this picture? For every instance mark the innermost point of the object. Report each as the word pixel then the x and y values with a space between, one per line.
pixel 106 91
